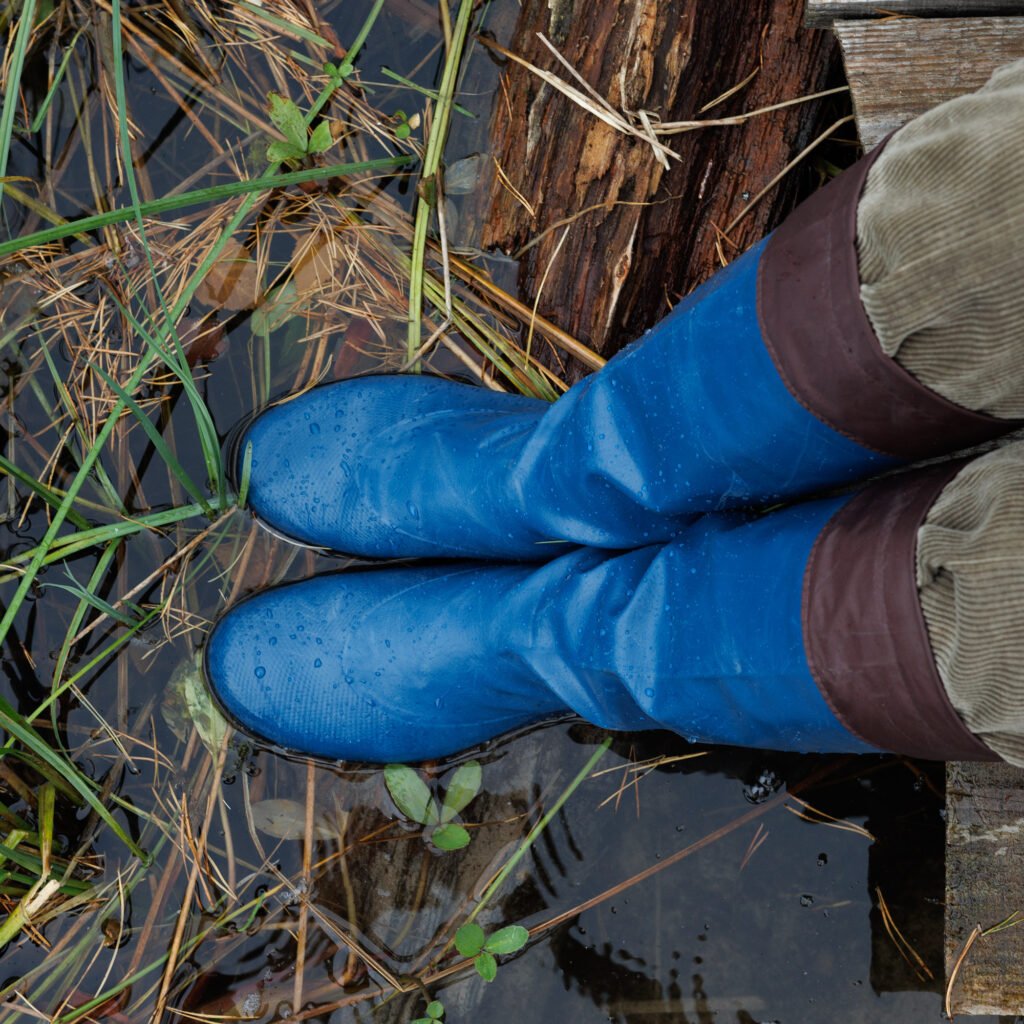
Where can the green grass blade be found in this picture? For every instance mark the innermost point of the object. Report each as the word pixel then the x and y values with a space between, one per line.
pixel 209 443
pixel 243 484
pixel 204 421
pixel 96 577
pixel 74 543
pixel 430 93
pixel 19 729
pixel 163 449
pixel 215 193
pixel 38 488
pixel 289 28
pixel 37 121
pixel 93 601
pixel 12 89
pixel 363 33
pixel 431 163
pixel 535 832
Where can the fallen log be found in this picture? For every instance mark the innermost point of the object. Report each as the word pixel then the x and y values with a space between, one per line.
pixel 610 237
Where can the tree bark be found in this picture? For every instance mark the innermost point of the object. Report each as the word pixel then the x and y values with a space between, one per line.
pixel 642 236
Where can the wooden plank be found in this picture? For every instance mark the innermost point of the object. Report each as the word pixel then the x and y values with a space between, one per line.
pixel 901 68
pixel 821 13
pixel 985 885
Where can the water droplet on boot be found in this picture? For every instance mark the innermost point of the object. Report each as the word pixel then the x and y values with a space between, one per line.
pixel 413 510
pixel 260 672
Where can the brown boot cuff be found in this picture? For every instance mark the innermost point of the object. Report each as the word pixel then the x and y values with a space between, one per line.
pixel 864 633
pixel 824 348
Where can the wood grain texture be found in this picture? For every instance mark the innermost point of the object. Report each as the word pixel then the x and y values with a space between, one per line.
pixel 644 236
pixel 985 885
pixel 821 13
pixel 899 69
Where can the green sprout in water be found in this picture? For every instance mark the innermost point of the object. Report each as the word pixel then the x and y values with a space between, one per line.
pixel 435 1011
pixel 299 142
pixel 472 942
pixel 413 798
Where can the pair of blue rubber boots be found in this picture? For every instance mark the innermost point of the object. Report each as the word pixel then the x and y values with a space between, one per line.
pixel 607 554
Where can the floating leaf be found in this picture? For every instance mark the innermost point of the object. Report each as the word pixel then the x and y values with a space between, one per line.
pixel 464 786
pixel 321 140
pixel 410 794
pixel 486 966
pixel 283 819
pixel 463 176
pixel 435 1009
pixel 450 837
pixel 232 282
pixel 288 120
pixel 209 722
pixel 173 706
pixel 507 940
pixel 315 262
pixel 275 311
pixel 286 819
pixel 280 152
pixel 469 939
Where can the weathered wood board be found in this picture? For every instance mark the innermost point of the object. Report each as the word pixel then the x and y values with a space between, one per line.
pixel 985 885
pixel 901 68
pixel 821 13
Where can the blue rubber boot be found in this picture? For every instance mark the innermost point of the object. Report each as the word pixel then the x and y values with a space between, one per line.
pixel 765 384
pixel 799 630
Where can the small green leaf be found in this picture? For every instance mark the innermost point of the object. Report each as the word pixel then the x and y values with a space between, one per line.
pixel 435 1009
pixel 469 939
pixel 345 70
pixel 280 152
pixel 507 940
pixel 331 69
pixel 321 140
pixel 422 1020
pixel 486 966
pixel 403 131
pixel 410 794
pixel 450 837
pixel 206 717
pixel 288 120
pixel 464 786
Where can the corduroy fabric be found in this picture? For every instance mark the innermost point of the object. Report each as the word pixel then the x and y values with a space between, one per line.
pixel 970 575
pixel 939 229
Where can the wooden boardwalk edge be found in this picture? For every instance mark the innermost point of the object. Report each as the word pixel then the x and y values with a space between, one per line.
pixel 985 886
pixel 898 68
pixel 822 13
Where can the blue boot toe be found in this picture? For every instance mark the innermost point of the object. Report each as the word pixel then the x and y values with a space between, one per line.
pixel 394 466
pixel 372 665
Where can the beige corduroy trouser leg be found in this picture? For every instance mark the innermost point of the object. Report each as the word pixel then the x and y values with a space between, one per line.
pixel 940 236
